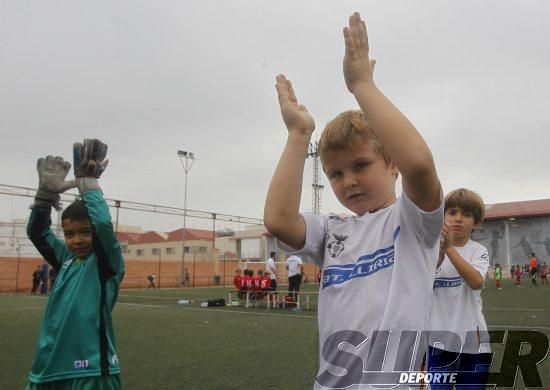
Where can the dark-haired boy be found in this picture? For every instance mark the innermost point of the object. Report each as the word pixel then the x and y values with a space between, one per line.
pixel 76 344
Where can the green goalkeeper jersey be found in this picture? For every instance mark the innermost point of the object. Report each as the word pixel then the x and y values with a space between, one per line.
pixel 76 337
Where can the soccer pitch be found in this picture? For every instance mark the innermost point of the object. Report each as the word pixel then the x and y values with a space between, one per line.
pixel 165 345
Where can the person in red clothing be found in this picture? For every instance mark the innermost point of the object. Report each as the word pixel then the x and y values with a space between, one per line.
pixel 244 284
pixel 533 261
pixel 257 280
pixel 247 282
pixel 518 273
pixel 249 279
pixel 543 273
pixel 266 282
pixel 237 279
pixel 237 282
pixel 266 286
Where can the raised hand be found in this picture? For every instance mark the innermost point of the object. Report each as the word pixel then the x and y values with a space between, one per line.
pixel 295 116
pixel 52 172
pixel 445 242
pixel 89 158
pixel 358 67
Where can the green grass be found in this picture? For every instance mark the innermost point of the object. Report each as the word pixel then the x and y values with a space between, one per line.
pixel 162 344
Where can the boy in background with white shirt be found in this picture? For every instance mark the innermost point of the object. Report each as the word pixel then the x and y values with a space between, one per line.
pixel 456 304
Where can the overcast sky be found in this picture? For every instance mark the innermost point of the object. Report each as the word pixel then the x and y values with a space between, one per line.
pixel 152 77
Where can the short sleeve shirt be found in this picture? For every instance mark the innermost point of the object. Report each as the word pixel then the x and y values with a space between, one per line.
pixel 293 263
pixel 456 307
pixel 378 273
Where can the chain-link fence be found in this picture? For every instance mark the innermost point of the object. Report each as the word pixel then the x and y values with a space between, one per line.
pixel 153 240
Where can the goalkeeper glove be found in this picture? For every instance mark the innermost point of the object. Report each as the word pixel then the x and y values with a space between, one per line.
pixel 89 163
pixel 52 172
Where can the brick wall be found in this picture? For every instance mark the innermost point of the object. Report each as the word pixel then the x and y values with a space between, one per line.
pixel 137 271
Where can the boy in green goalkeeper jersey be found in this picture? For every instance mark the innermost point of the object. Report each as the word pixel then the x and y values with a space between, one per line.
pixel 76 344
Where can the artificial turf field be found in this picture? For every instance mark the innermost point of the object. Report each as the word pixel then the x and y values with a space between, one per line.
pixel 164 345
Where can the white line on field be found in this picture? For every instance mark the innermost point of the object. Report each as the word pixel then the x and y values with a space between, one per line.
pixel 216 310
pixel 166 298
pixel 204 299
pixel 506 309
pixel 300 316
pixel 519 327
pixel 544 328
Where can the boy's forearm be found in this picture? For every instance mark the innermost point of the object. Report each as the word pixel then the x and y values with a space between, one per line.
pixel 405 145
pixel 282 203
pixel 98 211
pixel 470 275
pixel 39 232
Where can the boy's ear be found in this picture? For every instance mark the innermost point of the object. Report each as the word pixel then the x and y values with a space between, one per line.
pixel 394 170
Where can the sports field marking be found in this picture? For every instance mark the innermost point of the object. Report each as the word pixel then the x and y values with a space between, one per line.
pixel 543 328
pixel 215 310
pixel 506 309
pixel 165 298
pixel 204 299
pixel 518 327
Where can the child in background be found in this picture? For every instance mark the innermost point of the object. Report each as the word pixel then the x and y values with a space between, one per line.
pixel 249 279
pixel 266 282
pixel 244 283
pixel 526 273
pixel 519 273
pixel 456 306
pixel 533 269
pixel 266 286
pixel 498 275
pixel 237 283
pixel 543 273
pixel 237 279
pixel 257 285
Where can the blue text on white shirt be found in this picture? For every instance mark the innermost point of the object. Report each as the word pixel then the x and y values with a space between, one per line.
pixel 366 265
pixel 448 282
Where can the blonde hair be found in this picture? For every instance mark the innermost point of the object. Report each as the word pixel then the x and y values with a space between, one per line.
pixel 348 128
pixel 468 201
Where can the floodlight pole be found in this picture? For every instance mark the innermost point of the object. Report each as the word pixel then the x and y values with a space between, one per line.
pixel 187 159
pixel 313 152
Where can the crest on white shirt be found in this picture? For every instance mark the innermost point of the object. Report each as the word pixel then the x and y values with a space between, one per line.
pixel 337 246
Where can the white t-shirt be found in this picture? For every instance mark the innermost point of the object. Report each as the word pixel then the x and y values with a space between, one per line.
pixel 456 307
pixel 270 267
pixel 294 263
pixel 378 273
